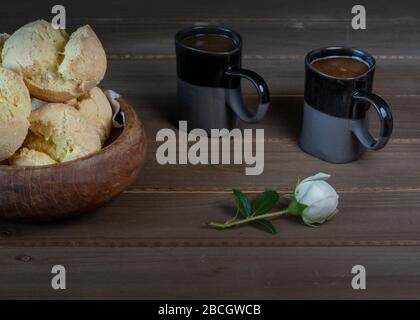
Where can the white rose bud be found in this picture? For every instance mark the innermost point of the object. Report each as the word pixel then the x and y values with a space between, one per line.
pixel 315 200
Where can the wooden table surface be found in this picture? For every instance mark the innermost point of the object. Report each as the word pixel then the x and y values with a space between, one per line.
pixel 149 242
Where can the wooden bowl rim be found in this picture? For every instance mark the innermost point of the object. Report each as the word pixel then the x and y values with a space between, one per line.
pixel 129 115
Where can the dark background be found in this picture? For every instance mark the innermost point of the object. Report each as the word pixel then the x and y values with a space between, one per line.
pixel 148 243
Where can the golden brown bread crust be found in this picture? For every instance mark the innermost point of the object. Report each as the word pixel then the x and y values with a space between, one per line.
pixel 60 131
pixel 30 158
pixel 84 58
pixel 57 68
pixel 46 94
pixel 15 107
pixel 95 107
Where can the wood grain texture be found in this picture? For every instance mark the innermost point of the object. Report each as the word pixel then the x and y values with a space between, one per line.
pixel 177 219
pixel 117 11
pixel 288 39
pixel 385 170
pixel 60 191
pixel 284 161
pixel 210 273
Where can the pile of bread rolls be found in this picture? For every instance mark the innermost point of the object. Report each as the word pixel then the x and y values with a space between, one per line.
pixel 51 110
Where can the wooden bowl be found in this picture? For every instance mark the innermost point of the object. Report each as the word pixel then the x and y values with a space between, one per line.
pixel 48 193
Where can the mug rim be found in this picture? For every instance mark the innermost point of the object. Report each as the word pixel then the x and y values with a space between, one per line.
pixel 338 51
pixel 218 30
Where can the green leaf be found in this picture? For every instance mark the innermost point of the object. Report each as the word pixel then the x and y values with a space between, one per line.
pixel 265 225
pixel 265 202
pixel 295 208
pixel 242 203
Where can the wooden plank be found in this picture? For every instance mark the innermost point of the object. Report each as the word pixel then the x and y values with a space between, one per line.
pixel 283 120
pixel 283 157
pixel 393 168
pixel 150 219
pixel 263 40
pixel 116 11
pixel 213 273
pixel 285 40
pixel 137 79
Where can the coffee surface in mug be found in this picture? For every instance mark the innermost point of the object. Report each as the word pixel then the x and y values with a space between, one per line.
pixel 341 67
pixel 210 43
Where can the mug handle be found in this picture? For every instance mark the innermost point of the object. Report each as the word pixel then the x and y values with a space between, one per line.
pixel 360 128
pixel 235 99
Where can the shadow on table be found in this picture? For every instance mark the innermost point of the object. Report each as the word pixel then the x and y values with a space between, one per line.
pixel 284 118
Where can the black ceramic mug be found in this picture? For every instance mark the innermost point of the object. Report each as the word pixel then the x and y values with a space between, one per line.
pixel 209 81
pixel 335 122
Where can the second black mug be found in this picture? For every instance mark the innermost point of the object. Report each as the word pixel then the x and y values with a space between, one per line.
pixel 335 122
pixel 209 79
